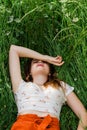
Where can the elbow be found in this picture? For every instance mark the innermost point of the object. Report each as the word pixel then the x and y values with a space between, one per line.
pixel 12 49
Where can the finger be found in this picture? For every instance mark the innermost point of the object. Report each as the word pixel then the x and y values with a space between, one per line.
pixel 59 58
pixel 59 64
pixel 57 61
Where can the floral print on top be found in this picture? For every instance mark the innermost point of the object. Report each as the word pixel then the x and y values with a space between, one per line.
pixel 30 96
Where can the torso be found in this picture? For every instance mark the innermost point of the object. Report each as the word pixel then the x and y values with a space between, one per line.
pixel 32 99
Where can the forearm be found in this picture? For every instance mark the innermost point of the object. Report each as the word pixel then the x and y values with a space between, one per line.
pixel 19 51
pixel 28 53
pixel 78 108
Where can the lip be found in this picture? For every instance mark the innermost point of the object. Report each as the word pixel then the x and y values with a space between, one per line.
pixel 40 64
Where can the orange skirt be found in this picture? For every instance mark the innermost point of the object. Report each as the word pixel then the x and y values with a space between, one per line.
pixel 33 122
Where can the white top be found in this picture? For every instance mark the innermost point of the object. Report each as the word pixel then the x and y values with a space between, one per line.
pixel 30 96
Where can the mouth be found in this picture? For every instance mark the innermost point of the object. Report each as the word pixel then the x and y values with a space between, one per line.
pixel 40 64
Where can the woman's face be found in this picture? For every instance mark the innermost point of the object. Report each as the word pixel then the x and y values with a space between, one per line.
pixel 39 67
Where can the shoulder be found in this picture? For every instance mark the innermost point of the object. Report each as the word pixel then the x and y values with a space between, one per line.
pixel 66 87
pixel 22 85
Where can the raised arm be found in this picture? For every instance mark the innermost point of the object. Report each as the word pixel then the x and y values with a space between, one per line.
pixel 14 62
pixel 78 109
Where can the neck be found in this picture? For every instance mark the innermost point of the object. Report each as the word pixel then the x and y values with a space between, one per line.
pixel 40 79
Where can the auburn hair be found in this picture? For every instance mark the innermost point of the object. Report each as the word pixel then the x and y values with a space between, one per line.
pixel 52 78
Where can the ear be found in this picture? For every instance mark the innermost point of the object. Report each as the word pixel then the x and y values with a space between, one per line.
pixel 28 77
pixel 30 74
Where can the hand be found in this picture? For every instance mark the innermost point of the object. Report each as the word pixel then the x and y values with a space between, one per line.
pixel 55 60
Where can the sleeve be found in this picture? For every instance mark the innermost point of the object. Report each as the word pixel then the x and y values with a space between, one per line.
pixel 67 88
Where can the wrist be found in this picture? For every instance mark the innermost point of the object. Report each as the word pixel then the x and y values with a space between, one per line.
pixel 83 125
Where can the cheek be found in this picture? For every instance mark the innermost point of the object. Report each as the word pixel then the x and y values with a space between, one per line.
pixel 48 69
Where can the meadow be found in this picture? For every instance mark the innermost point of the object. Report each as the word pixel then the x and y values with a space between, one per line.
pixel 53 27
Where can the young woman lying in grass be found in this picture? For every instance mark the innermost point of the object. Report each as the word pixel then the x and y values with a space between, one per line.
pixel 40 96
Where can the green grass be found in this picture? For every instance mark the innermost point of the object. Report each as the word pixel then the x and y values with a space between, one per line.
pixel 51 27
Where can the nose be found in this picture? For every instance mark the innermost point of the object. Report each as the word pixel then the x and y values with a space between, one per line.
pixel 40 61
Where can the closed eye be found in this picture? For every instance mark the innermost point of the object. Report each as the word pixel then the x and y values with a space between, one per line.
pixel 36 61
